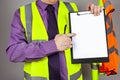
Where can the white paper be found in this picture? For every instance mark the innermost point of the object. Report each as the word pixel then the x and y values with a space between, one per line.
pixel 90 40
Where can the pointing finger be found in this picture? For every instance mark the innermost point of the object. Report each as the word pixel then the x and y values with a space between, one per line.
pixel 71 34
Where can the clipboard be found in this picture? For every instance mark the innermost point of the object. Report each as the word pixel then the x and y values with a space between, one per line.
pixel 90 43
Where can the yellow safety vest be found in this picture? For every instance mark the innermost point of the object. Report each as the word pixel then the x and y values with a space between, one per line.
pixel 39 70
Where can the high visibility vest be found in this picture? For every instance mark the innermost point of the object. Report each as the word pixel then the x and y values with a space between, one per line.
pixel 35 31
pixel 110 67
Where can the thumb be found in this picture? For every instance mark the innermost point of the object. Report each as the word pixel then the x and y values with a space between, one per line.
pixel 71 34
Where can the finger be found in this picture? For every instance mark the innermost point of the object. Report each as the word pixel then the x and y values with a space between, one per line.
pixel 68 42
pixel 68 46
pixel 98 10
pixel 95 10
pixel 92 8
pixel 71 34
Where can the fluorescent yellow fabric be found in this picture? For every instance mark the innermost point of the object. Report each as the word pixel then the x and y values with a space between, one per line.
pixel 100 3
pixel 37 34
pixel 23 18
pixel 37 68
pixel 95 73
pixel 40 67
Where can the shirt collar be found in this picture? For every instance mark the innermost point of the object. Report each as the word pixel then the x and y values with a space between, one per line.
pixel 43 5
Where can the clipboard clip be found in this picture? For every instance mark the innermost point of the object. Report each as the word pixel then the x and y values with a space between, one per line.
pixel 83 13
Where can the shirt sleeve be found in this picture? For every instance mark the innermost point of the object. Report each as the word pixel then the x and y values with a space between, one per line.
pixel 19 50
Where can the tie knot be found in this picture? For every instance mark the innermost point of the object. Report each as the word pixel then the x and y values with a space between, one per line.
pixel 50 8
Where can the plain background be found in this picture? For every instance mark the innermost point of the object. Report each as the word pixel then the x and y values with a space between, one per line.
pixel 14 71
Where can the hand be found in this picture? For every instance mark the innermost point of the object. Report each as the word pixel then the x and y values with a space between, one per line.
pixel 63 41
pixel 96 10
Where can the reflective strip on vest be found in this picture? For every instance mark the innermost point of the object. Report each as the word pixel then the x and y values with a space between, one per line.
pixel 69 7
pixel 112 49
pixel 39 41
pixel 107 4
pixel 111 25
pixel 72 77
pixel 28 77
pixel 95 67
pixel 76 75
pixel 116 50
pixel 28 14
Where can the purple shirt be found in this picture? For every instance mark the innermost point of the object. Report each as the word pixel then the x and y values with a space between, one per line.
pixel 20 51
